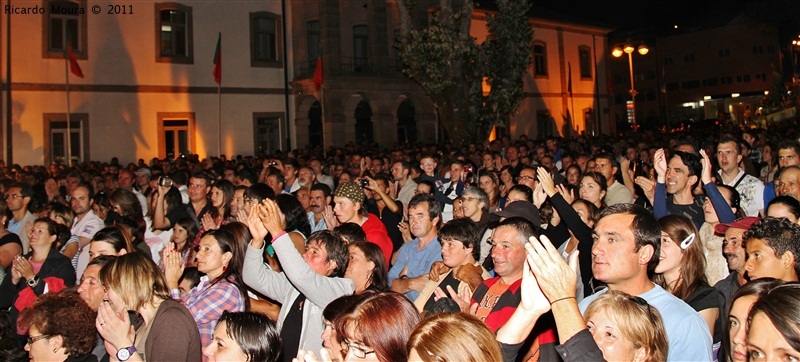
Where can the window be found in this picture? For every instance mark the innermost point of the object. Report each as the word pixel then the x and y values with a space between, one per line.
pixel 267 132
pixel 360 46
pixel 738 79
pixel 585 58
pixel 265 40
pixel 688 58
pixel 175 134
pixel 174 34
pixel 55 137
pixel 63 27
pixel 544 127
pixel 539 59
pixel 312 40
pixel 746 78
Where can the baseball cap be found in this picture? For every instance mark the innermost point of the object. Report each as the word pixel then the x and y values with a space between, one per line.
pixel 522 209
pixel 744 223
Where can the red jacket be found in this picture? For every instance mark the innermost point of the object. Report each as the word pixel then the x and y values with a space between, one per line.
pixel 376 233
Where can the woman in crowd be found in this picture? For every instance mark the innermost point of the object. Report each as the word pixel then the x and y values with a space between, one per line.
pixel 742 301
pixel 129 218
pixel 63 215
pixel 460 253
pixel 518 193
pixel 332 312
pixel 221 195
pixel 452 337
pixel 100 205
pixel 490 184
pixel 681 271
pixel 366 267
pixel 220 257
pixel 184 231
pixel 42 269
pixel 593 188
pixel 573 175
pixel 769 163
pixel 167 331
pixel 109 241
pixel 60 328
pixel 308 283
pixel 772 331
pixel 377 327
pixel 506 179
pixel 244 337
pixel 784 206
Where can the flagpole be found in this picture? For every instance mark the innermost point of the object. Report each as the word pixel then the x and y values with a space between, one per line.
pixel 69 126
pixel 219 100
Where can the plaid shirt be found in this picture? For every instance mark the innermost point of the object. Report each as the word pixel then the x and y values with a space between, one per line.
pixel 206 302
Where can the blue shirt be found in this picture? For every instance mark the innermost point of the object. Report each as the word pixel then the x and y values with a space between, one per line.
pixel 418 261
pixel 687 332
pixel 316 226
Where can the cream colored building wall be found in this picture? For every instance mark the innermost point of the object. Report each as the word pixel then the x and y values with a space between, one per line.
pixel 122 53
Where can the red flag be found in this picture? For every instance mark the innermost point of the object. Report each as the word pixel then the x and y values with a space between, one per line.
pixel 74 67
pixel 218 61
pixel 318 74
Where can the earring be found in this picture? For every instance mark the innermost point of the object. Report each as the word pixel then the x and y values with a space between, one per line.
pixel 224 268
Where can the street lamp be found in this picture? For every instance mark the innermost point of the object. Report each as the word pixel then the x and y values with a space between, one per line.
pixel 629 49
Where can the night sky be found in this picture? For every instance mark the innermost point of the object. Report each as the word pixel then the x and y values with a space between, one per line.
pixel 660 16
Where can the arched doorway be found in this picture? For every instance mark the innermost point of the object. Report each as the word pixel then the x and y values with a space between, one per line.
pixel 363 115
pixel 406 122
pixel 315 135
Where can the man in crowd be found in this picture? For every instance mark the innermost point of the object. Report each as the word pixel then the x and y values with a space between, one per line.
pixel 624 256
pixel 126 181
pixel 450 190
pixel 199 187
pixel 290 168
pixel 409 274
pixel 527 177
pixel 405 185
pixel 750 188
pixel 773 250
pixel 512 156
pixel 733 249
pixel 19 198
pixel 320 197
pixel 305 176
pixel 276 182
pixel 321 177
pixel 678 178
pixel 93 293
pixel 86 223
pixel 617 193
pixel 789 182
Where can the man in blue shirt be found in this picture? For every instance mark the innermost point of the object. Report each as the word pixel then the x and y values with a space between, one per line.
pixel 409 274
pixel 625 253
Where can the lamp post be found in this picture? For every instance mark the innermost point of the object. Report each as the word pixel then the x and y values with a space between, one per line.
pixel 629 49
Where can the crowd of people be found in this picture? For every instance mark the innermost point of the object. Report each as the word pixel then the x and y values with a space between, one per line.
pixel 647 247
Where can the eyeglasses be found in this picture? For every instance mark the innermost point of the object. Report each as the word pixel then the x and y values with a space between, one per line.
pixel 358 351
pixel 32 340
pixel 11 196
pixel 521 178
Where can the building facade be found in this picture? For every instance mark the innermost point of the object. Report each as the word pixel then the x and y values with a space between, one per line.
pixel 365 97
pixel 148 89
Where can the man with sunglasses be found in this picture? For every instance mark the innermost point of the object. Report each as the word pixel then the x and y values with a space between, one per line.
pixel 627 245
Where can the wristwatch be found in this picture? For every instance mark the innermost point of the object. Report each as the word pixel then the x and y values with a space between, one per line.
pixel 123 354
pixel 32 282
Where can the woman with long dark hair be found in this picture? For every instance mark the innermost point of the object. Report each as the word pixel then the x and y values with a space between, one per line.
pixel 220 257
pixel 366 267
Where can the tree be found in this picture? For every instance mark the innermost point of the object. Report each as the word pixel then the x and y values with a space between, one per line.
pixel 451 67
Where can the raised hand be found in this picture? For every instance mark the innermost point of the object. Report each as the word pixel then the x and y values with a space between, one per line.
pixel 568 195
pixel 705 175
pixel 546 181
pixel 272 217
pixel 173 269
pixel 660 165
pixel 555 277
pixel 256 227
pixel 331 221
pixel 539 196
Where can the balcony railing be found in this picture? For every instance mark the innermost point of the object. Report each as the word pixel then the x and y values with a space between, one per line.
pixel 351 66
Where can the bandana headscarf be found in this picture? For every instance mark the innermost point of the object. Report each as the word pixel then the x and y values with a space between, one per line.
pixel 351 191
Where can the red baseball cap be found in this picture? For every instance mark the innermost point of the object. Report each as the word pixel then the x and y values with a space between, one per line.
pixel 744 223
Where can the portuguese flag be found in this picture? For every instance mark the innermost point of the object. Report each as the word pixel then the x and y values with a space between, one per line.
pixel 218 60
